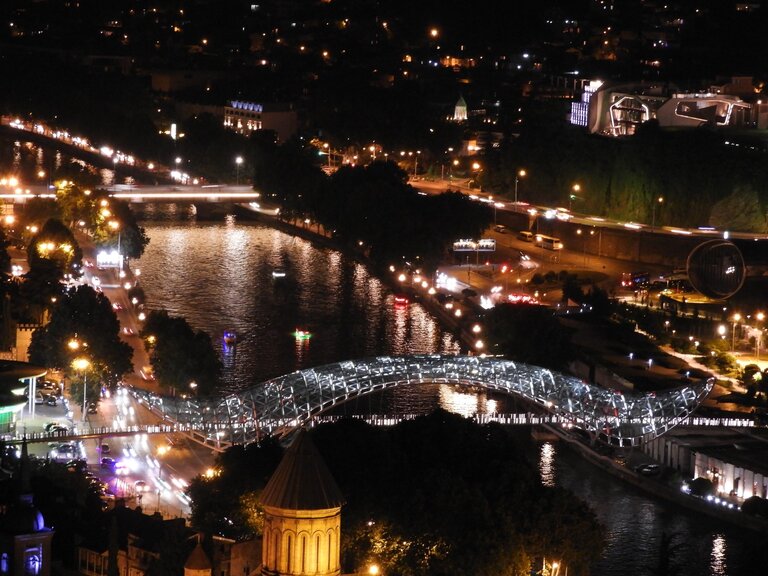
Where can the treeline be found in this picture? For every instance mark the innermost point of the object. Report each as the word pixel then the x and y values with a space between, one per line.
pixel 701 175
pixel 437 495
pixel 372 207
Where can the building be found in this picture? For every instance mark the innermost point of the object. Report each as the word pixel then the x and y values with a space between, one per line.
pixel 302 515
pixel 247 117
pixel 136 539
pixel 617 110
pixel 18 388
pixel 460 110
pixel 198 563
pixel 733 461
pixel 25 540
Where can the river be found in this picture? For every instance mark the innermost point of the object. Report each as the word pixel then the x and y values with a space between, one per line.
pixel 351 315
pixel 218 275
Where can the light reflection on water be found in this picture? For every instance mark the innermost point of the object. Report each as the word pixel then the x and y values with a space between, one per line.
pixel 718 566
pixel 547 463
pixel 219 277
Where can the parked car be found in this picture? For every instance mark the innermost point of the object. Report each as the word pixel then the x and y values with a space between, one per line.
pixel 55 427
pixel 77 465
pixel 648 469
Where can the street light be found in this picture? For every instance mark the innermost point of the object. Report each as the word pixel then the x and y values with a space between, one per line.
pixel 760 317
pixel 659 200
pixel 520 174
pixel 115 225
pixel 735 319
pixel 238 162
pixel 81 365
pixel 571 197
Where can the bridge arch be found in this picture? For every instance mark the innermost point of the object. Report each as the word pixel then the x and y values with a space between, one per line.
pixel 284 403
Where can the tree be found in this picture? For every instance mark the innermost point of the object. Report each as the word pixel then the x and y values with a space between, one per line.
pixel 530 334
pixel 420 498
pixel 87 316
pixel 55 244
pixel 701 487
pixel 740 210
pixel 179 355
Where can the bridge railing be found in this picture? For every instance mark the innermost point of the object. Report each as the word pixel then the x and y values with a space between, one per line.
pixel 219 435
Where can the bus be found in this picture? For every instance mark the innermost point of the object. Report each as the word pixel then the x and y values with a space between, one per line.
pixel 548 242
pixel 525 236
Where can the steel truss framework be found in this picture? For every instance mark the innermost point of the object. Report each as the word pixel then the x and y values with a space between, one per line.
pixel 280 405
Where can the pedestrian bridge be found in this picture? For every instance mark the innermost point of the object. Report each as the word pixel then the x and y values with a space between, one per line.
pixel 282 404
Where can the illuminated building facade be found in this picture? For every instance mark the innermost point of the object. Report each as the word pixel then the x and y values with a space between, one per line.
pixel 302 515
pixel 248 117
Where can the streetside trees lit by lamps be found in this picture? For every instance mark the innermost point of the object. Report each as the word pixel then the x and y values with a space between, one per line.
pixel 518 175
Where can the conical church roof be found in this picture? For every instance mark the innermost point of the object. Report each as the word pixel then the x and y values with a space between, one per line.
pixel 302 481
pixel 198 559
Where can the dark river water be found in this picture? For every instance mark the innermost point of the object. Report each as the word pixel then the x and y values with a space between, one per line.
pixel 218 275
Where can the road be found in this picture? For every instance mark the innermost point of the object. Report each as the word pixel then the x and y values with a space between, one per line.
pixel 501 205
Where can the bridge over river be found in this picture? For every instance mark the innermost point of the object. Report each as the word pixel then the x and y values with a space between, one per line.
pixel 302 398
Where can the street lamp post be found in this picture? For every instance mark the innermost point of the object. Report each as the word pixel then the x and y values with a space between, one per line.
pixel 735 319
pixel 238 162
pixel 659 200
pixel 571 197
pixel 760 317
pixel 115 225
pixel 520 174
pixel 81 365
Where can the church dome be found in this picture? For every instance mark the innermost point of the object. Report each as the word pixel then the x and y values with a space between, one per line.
pixel 23 518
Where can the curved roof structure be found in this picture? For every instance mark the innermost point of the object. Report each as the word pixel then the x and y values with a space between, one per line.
pixel 302 481
pixel 282 404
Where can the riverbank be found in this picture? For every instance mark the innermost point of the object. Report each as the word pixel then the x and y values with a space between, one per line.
pixel 651 485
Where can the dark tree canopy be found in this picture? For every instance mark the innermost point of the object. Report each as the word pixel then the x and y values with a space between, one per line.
pixel 55 243
pixel 438 495
pixel 179 355
pixel 530 334
pixel 87 316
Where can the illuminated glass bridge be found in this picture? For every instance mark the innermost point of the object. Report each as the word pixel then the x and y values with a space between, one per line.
pixel 282 404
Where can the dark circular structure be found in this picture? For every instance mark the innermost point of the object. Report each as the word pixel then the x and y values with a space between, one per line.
pixel 717 268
